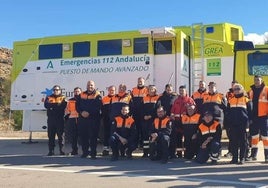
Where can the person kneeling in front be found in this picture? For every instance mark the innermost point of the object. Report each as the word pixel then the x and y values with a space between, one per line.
pixel 209 138
pixel 123 135
pixel 160 136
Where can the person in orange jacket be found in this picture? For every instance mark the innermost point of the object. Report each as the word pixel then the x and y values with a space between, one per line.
pixel 89 105
pixel 215 102
pixel 190 122
pixel 160 131
pixel 137 95
pixel 209 139
pixel 71 116
pixel 259 97
pixel 199 95
pixel 105 112
pixel 238 116
pixel 148 109
pixel 122 98
pixel 123 134
pixel 55 105
pixel 229 95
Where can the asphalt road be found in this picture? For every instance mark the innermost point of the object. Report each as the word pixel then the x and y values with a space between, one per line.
pixel 26 165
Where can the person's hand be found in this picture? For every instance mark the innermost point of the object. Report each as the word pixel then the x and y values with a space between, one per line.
pixel 204 146
pixel 194 136
pixel 209 138
pixel 147 117
pixel 84 114
pixel 123 140
pixel 154 136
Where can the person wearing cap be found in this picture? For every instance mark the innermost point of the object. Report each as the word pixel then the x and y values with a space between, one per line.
pixel 190 122
pixel 160 132
pixel 177 110
pixel 199 95
pixel 229 95
pixel 209 139
pixel 238 116
pixel 148 110
pixel 55 105
pixel 215 102
pixel 259 97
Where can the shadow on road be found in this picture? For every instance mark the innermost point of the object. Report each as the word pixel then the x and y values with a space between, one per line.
pixel 14 153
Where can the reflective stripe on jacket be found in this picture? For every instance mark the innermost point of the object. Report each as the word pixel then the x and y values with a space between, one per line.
pixel 71 109
pixel 262 102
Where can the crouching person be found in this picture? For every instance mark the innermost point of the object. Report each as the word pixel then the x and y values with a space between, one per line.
pixel 123 135
pixel 190 122
pixel 160 136
pixel 209 136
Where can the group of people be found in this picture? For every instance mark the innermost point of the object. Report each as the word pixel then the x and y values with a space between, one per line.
pixel 167 125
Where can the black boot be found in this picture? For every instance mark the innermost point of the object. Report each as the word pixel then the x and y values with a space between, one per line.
pixel 152 151
pixel 254 152
pixel 74 152
pixel 61 152
pixel 234 160
pixel 145 153
pixel 266 155
pixel 115 156
pixel 146 146
pixel 51 152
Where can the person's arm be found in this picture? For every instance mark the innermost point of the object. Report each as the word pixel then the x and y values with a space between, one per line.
pixel 133 132
pixel 217 135
pixel 50 105
pixel 249 110
pixel 224 103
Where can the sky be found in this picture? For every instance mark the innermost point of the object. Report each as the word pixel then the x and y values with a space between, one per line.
pixel 22 20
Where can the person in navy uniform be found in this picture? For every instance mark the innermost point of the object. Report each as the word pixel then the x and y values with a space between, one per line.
pixel 55 105
pixel 209 139
pixel 89 105
pixel 190 122
pixel 71 117
pixel 123 135
pixel 160 136
pixel 105 112
pixel 239 113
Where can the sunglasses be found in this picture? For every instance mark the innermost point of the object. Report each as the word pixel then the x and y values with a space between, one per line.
pixel 236 89
pixel 56 89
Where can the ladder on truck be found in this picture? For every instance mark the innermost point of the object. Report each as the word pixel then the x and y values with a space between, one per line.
pixel 198 64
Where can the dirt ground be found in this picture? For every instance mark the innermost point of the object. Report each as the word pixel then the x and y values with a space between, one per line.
pixel 22 134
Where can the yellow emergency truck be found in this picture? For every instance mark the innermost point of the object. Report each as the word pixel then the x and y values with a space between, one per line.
pixel 180 55
pixel 250 60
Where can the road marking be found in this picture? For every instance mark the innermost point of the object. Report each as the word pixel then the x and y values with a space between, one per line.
pixel 168 177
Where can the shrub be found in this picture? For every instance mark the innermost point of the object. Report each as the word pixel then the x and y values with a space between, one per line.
pixel 17 116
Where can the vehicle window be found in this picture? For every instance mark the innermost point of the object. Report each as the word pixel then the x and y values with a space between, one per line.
pixel 163 47
pixel 110 47
pixel 81 49
pixel 257 63
pixel 186 47
pixel 140 45
pixel 50 51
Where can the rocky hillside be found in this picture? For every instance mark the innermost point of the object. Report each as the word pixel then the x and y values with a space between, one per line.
pixel 5 70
